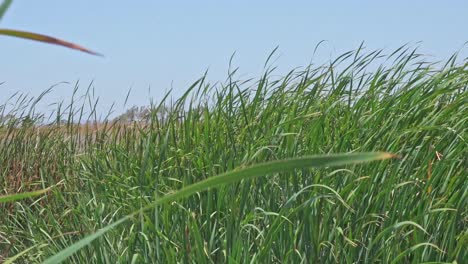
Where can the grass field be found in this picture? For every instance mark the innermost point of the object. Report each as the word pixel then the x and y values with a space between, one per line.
pixel 412 209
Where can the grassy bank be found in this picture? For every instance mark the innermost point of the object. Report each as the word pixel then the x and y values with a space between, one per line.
pixel 408 210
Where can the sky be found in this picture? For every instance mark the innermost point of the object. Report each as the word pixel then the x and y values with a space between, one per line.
pixel 152 46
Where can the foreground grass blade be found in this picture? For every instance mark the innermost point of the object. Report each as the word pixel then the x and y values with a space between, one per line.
pixel 230 177
pixel 46 39
pixel 4 7
pixel 20 196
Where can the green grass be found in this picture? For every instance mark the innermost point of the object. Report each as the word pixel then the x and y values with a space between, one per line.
pixel 408 210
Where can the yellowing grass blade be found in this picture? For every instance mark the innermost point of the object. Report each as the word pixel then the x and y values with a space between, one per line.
pixel 20 196
pixel 228 178
pixel 46 39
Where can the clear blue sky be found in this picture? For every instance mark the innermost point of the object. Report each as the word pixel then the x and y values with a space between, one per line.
pixel 156 43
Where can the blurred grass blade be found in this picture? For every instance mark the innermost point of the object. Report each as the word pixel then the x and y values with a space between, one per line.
pixel 20 196
pixel 4 7
pixel 230 177
pixel 45 39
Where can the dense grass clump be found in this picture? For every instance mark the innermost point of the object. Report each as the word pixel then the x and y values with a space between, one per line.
pixel 413 209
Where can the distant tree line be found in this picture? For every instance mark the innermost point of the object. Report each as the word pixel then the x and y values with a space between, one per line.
pixel 143 114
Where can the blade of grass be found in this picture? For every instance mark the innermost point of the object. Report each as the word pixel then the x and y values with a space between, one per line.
pixel 15 257
pixel 415 247
pixel 4 7
pixel 230 177
pixel 20 196
pixel 45 39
